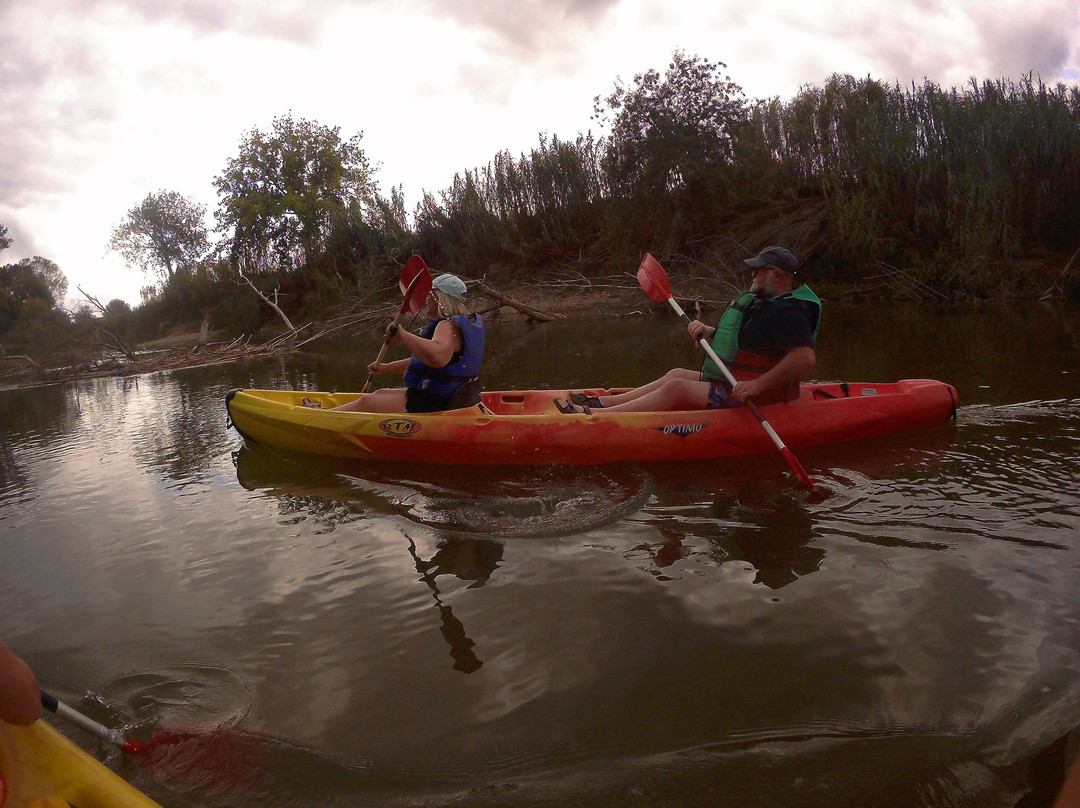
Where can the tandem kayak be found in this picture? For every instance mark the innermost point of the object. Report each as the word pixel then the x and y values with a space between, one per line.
pixel 525 428
pixel 40 767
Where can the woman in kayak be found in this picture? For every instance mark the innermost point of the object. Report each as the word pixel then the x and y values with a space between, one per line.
pixel 766 337
pixel 20 697
pixel 443 371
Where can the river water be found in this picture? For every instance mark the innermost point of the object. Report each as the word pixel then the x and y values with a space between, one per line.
pixel 334 633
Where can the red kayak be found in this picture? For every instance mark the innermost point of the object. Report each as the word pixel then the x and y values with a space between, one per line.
pixel 524 427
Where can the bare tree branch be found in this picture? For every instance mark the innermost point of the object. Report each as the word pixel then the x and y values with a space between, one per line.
pixel 271 303
pixel 113 340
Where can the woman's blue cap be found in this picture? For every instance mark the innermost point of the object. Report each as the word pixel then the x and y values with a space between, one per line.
pixel 451 285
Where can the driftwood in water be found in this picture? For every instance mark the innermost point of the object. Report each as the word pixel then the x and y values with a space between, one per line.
pixel 174 359
pixel 361 315
pixel 1057 286
pixel 531 315
pixel 903 283
pixel 16 365
pixel 17 358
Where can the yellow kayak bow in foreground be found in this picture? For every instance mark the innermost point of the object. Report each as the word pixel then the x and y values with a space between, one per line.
pixel 40 768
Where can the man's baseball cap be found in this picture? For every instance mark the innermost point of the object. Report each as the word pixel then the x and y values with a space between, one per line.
pixel 777 257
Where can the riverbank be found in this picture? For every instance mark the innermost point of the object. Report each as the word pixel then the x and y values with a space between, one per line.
pixel 557 296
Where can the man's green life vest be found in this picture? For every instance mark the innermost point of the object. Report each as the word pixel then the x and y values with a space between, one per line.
pixel 726 339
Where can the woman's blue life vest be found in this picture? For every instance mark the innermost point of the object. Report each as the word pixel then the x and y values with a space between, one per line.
pixel 464 365
pixel 725 341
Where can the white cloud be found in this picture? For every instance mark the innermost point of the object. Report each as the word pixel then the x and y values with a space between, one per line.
pixel 103 103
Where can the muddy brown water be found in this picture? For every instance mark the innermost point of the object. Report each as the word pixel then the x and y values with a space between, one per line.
pixel 339 633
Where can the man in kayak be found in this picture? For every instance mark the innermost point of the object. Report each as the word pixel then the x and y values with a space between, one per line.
pixel 443 371
pixel 766 338
pixel 20 697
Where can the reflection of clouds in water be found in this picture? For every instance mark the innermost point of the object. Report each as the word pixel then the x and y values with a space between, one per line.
pixel 949 636
pixel 102 525
pixel 987 536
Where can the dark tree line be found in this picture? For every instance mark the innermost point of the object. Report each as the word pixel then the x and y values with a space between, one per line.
pixel 955 185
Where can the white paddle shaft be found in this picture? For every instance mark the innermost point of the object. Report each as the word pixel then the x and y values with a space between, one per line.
pixel 58 707
pixel 731 379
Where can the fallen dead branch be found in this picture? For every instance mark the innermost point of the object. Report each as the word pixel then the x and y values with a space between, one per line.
pixel 271 303
pixel 531 315
pixel 6 357
pixel 109 338
pixel 903 282
pixel 1056 286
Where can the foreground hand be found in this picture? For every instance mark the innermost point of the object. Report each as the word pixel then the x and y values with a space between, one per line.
pixel 391 332
pixel 373 368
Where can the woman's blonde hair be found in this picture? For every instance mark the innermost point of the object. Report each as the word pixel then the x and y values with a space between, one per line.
pixel 448 305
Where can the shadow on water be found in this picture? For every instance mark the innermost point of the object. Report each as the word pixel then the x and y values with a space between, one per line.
pixel 506 501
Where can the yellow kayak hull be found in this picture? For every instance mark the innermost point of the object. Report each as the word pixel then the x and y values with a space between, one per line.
pixel 524 427
pixel 40 768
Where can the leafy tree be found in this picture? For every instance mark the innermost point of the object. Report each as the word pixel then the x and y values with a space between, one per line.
pixel 164 235
pixel 5 240
pixel 23 290
pixel 49 272
pixel 40 330
pixel 281 194
pixel 667 130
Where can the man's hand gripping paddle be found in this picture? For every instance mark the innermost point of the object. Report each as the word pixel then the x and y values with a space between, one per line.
pixel 654 281
pixel 415 285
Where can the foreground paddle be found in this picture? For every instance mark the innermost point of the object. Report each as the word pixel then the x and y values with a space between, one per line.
pixel 654 281
pixel 218 759
pixel 54 705
pixel 415 285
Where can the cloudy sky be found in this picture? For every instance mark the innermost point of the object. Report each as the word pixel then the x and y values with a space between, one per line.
pixel 105 101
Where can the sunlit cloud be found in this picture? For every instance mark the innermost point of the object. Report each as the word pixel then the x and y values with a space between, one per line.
pixel 103 103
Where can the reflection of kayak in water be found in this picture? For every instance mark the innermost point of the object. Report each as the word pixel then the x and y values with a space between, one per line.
pixel 524 427
pixel 489 500
pixel 37 762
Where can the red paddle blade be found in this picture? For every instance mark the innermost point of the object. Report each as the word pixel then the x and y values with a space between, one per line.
pixel 800 472
pixel 417 290
pixel 653 279
pixel 413 267
pixel 220 759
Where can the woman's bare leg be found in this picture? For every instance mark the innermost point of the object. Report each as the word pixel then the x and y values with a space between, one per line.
pixel 388 399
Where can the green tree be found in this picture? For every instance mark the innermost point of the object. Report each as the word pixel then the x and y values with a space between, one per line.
pixel 279 197
pixel 55 280
pixel 5 240
pixel 164 235
pixel 23 289
pixel 664 131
